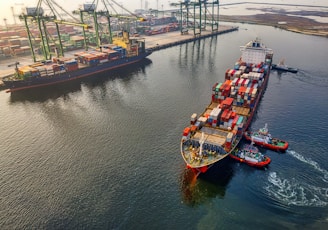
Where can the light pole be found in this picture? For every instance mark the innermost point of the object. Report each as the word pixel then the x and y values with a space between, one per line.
pixel 12 10
pixel 5 21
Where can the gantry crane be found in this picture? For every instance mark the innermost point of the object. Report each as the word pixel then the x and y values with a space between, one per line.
pixel 48 11
pixel 198 11
pixel 36 15
pixel 92 13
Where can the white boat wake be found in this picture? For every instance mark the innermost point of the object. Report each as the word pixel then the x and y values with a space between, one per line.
pixel 308 161
pixel 291 191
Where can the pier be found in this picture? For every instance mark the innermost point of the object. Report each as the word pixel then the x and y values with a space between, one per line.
pixel 165 40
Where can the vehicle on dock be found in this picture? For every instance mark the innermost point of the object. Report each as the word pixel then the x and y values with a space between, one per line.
pixel 84 64
pixel 214 134
pixel 250 155
pixel 263 138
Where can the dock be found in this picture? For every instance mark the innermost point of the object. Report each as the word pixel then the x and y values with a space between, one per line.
pixel 154 43
pixel 165 40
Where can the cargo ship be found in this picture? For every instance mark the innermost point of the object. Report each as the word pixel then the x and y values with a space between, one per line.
pixel 122 53
pixel 217 131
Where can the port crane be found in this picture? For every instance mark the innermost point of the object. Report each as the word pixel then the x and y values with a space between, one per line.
pixel 203 12
pixel 47 11
pixel 103 31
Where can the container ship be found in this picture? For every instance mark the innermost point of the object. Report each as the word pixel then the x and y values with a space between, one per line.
pixel 124 52
pixel 216 132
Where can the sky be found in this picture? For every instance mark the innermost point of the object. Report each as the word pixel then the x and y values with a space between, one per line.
pixel 8 6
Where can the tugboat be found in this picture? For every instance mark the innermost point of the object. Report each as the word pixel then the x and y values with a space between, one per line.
pixel 281 66
pixel 250 155
pixel 263 138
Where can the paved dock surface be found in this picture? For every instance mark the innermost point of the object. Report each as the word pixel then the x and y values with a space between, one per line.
pixel 154 42
pixel 160 41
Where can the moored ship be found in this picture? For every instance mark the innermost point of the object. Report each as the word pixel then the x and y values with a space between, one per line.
pixel 84 64
pixel 216 132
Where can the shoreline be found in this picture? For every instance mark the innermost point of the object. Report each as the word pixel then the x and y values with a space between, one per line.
pixel 281 21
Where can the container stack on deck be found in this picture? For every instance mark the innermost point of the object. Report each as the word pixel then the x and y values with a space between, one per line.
pixel 231 102
pixel 87 58
pixel 241 84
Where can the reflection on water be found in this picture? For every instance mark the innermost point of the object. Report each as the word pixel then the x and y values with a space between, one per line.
pixel 199 52
pixel 63 90
pixel 197 190
pixel 45 93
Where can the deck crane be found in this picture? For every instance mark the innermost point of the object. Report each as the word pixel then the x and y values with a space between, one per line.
pixel 37 15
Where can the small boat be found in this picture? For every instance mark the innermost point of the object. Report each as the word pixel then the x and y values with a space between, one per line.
pixel 281 66
pixel 263 138
pixel 250 155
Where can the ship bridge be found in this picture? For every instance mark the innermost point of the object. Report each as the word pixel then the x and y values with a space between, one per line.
pixel 255 52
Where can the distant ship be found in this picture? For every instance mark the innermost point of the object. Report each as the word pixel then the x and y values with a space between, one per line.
pixel 216 132
pixel 83 64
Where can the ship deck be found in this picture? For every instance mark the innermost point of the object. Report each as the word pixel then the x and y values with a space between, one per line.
pixel 212 135
pixel 240 110
pixel 205 161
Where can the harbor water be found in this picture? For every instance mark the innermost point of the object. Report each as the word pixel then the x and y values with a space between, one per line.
pixel 104 153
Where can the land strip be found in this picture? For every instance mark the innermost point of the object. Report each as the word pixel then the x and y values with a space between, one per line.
pixel 291 21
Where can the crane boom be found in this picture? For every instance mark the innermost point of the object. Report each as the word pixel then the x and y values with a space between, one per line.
pixel 133 14
pixel 86 26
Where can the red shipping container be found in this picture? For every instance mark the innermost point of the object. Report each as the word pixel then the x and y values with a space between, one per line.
pixel 228 88
pixel 221 87
pixel 213 97
pixel 232 73
pixel 224 114
pixel 241 90
pixel 229 115
pixel 228 101
pixel 186 131
pixel 250 91
pixel 234 122
pixel 237 82
pixel 227 74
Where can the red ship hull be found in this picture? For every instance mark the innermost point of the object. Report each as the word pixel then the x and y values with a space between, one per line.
pixel 280 146
pixel 250 163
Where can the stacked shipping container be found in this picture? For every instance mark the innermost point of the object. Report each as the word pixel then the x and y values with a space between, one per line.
pixel 60 65
pixel 231 101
